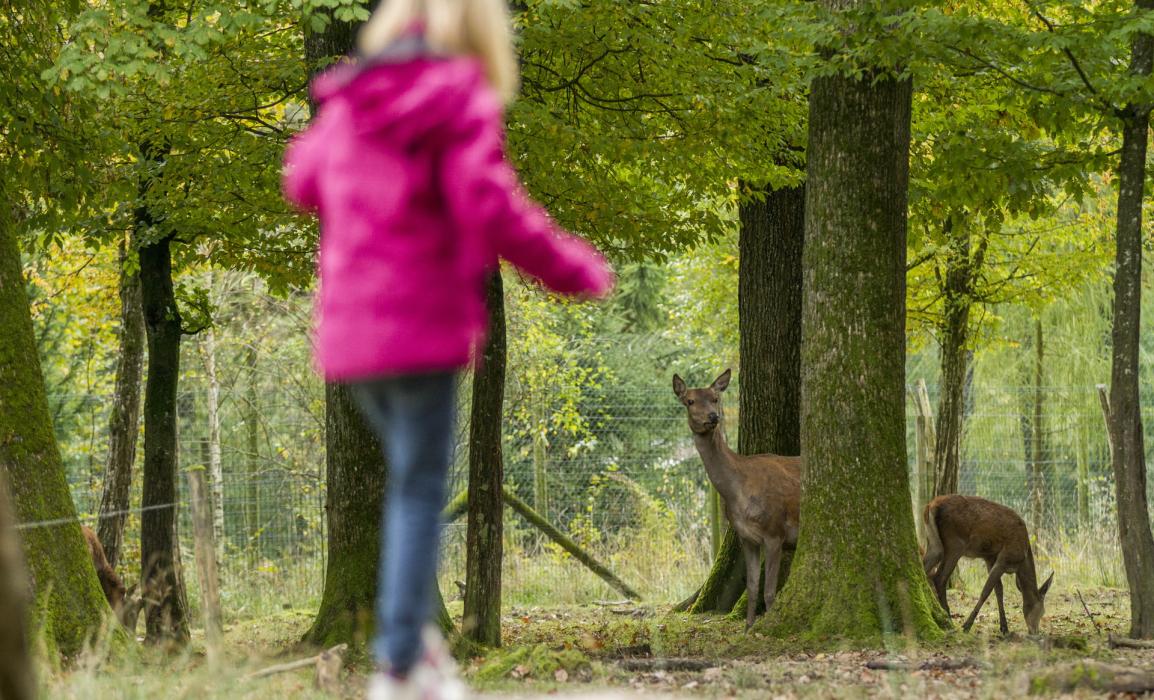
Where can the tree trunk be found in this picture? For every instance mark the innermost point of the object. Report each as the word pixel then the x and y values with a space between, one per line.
pixel 166 609
pixel 214 468
pixel 252 515
pixel 856 574
pixel 123 423
pixel 355 479
pixel 1035 438
pixel 16 679
pixel 68 603
pixel 769 319
pixel 482 615
pixel 953 334
pixel 1129 456
pixel 355 472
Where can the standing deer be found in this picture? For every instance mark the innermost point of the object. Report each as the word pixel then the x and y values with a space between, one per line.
pixel 760 493
pixel 967 526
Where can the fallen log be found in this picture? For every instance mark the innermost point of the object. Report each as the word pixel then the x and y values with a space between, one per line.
pixel 1127 643
pixel 1094 676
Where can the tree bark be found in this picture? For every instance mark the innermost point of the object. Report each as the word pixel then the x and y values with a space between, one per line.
pixel 1129 456
pixel 124 421
pixel 16 680
pixel 355 472
pixel 68 602
pixel 355 479
pixel 252 513
pixel 953 335
pixel 213 463
pixel 856 574
pixel 483 533
pixel 166 607
pixel 1034 436
pixel 769 318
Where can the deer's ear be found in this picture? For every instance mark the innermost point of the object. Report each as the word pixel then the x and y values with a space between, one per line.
pixel 1046 586
pixel 722 382
pixel 678 386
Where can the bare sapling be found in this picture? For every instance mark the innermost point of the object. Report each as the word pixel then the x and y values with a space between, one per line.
pixel 959 526
pixel 760 493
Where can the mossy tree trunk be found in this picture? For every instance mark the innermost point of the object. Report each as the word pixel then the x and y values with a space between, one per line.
pixel 355 482
pixel 856 573
pixel 68 604
pixel 483 533
pixel 769 317
pixel 1129 456
pixel 124 420
pixel 16 680
pixel 355 471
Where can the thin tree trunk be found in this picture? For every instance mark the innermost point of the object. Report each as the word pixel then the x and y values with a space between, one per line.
pixel 124 420
pixel 1129 456
pixel 68 602
pixel 769 319
pixel 953 337
pixel 856 574
pixel 252 515
pixel 214 467
pixel 166 609
pixel 482 614
pixel 1037 443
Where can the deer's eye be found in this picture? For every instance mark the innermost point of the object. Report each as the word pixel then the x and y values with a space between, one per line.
pixel 689 402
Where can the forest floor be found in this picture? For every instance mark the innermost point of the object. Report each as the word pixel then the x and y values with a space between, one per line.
pixel 616 650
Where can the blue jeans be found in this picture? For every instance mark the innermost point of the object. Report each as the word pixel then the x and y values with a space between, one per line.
pixel 414 417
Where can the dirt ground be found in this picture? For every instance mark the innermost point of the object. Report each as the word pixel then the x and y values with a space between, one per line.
pixel 639 651
pixel 619 650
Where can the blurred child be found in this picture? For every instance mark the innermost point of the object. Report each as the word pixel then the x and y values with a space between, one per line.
pixel 404 165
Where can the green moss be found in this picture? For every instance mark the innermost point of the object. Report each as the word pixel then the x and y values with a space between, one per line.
pixel 538 662
pixel 68 604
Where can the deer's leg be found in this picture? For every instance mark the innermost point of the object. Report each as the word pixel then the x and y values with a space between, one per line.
pixel 1002 624
pixel 752 552
pixel 772 566
pixel 993 579
pixel 942 578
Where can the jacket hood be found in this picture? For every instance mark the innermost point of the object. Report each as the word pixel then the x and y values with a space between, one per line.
pixel 406 94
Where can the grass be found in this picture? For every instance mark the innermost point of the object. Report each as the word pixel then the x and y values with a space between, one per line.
pixel 585 641
pixel 559 616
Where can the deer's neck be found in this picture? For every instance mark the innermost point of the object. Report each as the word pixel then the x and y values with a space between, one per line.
pixel 719 461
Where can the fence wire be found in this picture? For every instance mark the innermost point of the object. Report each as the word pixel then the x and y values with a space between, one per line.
pixel 618 474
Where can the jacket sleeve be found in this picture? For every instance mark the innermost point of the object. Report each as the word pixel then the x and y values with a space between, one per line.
pixel 302 161
pixel 487 201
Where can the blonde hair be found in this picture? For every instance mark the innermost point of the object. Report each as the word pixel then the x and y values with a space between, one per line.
pixel 462 27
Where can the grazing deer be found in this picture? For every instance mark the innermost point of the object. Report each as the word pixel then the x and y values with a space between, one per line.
pixel 760 493
pixel 967 526
pixel 123 601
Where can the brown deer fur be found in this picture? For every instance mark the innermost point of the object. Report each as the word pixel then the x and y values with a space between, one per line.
pixel 760 493
pixel 967 526
pixel 114 589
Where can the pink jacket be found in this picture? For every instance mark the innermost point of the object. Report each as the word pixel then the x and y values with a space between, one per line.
pixel 405 166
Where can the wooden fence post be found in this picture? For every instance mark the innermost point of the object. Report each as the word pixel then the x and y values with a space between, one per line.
pixel 205 558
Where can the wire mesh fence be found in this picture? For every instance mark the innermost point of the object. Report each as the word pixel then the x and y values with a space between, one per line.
pixel 617 472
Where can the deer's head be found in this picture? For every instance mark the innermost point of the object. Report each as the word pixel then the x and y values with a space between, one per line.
pixel 1035 606
pixel 703 405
